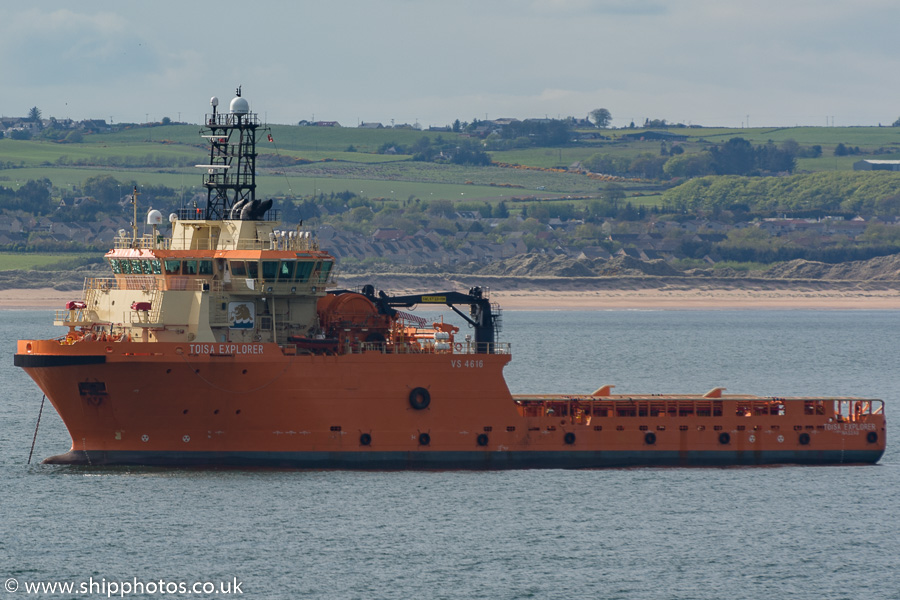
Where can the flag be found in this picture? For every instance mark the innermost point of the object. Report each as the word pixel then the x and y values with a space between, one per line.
pixel 270 138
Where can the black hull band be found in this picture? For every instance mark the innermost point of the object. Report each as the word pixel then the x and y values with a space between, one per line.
pixel 56 360
pixel 375 460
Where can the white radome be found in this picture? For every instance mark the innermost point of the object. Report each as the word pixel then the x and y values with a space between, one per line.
pixel 240 106
pixel 154 217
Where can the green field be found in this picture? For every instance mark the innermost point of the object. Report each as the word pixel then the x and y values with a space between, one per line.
pixel 300 182
pixel 30 153
pixel 165 155
pixel 22 261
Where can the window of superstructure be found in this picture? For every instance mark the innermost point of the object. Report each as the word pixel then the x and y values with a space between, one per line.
pixel 270 269
pixel 252 269
pixel 173 267
pixel 190 267
pixel 238 268
pixel 155 266
pixel 316 276
pixel 325 270
pixel 206 267
pixel 304 268
pixel 114 265
pixel 136 266
pixel 286 272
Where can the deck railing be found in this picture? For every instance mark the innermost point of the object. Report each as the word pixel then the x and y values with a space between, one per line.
pixel 394 348
pixel 147 241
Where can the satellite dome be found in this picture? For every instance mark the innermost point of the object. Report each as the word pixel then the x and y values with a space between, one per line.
pixel 240 106
pixel 154 217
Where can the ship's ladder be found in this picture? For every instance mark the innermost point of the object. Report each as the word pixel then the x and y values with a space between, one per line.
pixel 497 313
pixel 155 305
pixel 91 294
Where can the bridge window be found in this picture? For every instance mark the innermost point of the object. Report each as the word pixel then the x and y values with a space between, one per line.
pixel 287 270
pixel 189 267
pixel 114 265
pixel 173 267
pixel 205 267
pixel 155 266
pixel 270 270
pixel 304 268
pixel 238 268
pixel 325 270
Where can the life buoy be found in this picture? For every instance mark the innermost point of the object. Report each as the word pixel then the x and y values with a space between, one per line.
pixel 803 439
pixel 458 347
pixel 650 438
pixel 872 437
pixel 724 438
pixel 419 398
pixel 424 439
pixel 569 438
pixel 482 439
pixel 365 439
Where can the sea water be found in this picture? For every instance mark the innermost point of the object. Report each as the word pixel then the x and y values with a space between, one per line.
pixel 777 532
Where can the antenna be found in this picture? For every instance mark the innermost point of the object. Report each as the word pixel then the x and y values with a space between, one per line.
pixel 134 195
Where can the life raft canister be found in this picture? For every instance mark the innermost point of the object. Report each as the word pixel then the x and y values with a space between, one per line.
pixel 419 398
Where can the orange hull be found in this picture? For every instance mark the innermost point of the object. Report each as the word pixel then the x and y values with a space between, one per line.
pixel 258 404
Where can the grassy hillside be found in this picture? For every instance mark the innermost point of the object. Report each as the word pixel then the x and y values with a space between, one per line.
pixel 319 159
pixel 22 261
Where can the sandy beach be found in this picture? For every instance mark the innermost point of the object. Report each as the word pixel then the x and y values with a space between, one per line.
pixel 605 299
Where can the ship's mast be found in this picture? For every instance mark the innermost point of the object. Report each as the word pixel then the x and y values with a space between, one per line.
pixel 231 172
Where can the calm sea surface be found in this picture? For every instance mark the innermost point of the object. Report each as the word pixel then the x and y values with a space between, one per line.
pixel 784 532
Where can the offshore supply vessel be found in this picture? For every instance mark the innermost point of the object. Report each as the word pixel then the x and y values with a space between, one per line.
pixel 224 343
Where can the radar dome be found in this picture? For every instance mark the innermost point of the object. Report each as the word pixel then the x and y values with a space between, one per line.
pixel 240 106
pixel 154 217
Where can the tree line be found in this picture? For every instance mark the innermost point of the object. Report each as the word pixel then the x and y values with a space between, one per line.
pixel 735 157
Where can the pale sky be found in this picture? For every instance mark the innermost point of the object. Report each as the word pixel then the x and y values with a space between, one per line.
pixel 706 62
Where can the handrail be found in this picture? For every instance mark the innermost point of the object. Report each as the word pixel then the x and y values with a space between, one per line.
pixel 198 214
pixel 149 283
pixel 857 409
pixel 418 348
pixel 147 241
